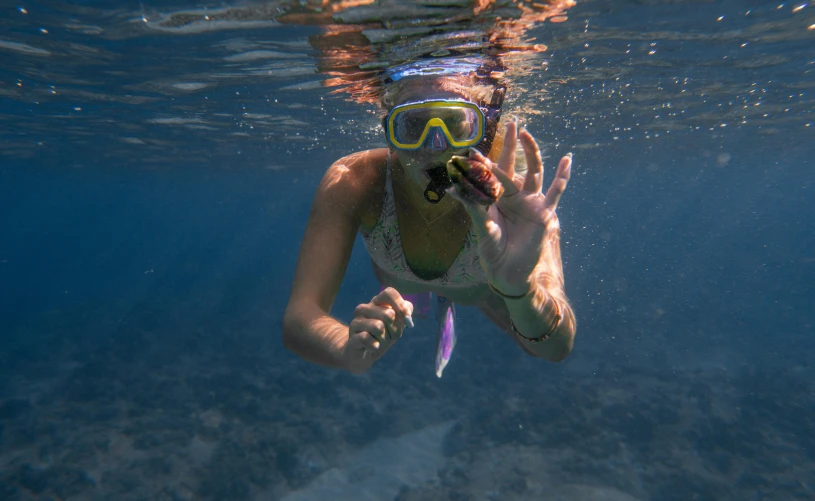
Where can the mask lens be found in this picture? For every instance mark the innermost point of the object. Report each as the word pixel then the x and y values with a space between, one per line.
pixel 461 123
pixel 409 125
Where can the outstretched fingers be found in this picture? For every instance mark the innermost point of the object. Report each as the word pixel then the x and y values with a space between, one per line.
pixel 506 161
pixel 558 186
pixel 534 164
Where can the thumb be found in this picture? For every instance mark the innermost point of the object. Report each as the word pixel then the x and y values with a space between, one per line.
pixel 477 212
pixel 483 222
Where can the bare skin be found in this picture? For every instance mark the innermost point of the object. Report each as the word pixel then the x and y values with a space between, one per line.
pixel 512 234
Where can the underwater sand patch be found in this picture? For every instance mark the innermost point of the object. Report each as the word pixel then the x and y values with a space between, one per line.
pixel 380 470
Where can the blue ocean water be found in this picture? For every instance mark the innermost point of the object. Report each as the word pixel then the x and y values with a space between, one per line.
pixel 156 173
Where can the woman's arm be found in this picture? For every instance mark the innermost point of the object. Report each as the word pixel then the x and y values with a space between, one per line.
pixel 545 309
pixel 308 329
pixel 534 313
pixel 519 246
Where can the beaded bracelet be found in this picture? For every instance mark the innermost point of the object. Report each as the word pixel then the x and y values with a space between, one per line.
pixel 507 296
pixel 546 335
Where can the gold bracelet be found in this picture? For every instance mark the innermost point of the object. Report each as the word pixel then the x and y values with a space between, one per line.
pixel 507 296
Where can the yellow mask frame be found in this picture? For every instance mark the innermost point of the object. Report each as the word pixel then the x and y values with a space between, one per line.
pixel 435 122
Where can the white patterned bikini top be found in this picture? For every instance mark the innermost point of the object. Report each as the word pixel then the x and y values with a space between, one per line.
pixel 384 245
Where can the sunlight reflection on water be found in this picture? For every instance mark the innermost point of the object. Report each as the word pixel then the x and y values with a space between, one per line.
pixel 214 82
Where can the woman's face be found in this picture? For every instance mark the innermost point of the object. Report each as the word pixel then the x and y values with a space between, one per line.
pixel 436 151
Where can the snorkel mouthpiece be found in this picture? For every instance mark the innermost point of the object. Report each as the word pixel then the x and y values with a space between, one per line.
pixel 439 182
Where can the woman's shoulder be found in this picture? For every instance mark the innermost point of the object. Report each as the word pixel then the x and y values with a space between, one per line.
pixel 357 182
pixel 362 170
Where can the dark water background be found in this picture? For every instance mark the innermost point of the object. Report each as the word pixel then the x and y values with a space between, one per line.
pixel 145 265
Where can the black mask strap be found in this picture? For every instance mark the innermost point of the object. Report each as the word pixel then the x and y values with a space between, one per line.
pixel 439 182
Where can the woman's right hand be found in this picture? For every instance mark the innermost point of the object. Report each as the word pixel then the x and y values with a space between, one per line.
pixel 375 327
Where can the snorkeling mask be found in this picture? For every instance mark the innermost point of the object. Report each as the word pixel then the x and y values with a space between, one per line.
pixel 464 124
pixel 461 122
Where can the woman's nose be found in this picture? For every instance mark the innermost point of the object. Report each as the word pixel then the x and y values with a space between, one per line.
pixel 436 140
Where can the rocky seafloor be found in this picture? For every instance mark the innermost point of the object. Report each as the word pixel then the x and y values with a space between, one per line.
pixel 143 416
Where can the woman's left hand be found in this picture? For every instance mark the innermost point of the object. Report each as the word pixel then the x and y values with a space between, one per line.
pixel 511 232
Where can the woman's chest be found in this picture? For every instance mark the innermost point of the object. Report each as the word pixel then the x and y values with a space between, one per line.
pixel 430 252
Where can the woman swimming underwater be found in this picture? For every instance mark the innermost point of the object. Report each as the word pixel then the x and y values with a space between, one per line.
pixel 441 210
